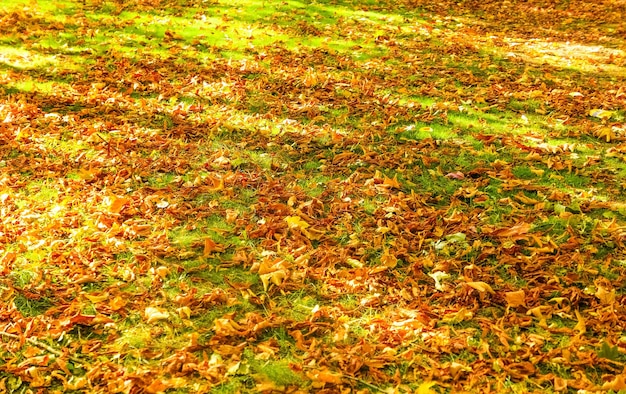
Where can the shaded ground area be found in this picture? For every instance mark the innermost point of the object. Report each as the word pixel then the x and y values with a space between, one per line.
pixel 285 196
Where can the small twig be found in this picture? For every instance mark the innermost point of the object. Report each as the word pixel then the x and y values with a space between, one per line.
pixel 36 342
pixel 109 146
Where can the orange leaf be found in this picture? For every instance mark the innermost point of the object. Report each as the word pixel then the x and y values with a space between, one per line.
pixel 157 386
pixel 617 384
pixel 325 377
pixel 481 286
pixel 515 298
pixel 581 327
pixel 211 246
pixel 515 231
pixel 392 182
pixel 388 259
pixel 116 204
pixel 117 303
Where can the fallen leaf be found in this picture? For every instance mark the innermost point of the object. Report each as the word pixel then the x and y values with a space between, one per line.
pixel 426 388
pixel 481 286
pixel 617 384
pixel 438 277
pixel 97 298
pixel 606 297
pixel 600 113
pixel 211 247
pixel 296 222
pixel 115 204
pixel 455 175
pixel 153 314
pixel 515 298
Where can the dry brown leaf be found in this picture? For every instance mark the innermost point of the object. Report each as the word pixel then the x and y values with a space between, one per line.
pixel 515 231
pixel 211 247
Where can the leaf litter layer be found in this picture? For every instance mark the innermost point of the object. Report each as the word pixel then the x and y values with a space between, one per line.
pixel 328 196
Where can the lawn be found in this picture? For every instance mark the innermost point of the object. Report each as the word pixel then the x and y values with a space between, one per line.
pixel 312 196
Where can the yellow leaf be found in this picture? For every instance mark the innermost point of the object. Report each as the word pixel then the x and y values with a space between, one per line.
pixel 184 312
pixel 162 271
pixel 215 183
pixel 481 286
pixel 526 200
pixel 538 313
pixel 388 259
pixel 354 263
pixel 424 388
pixel 226 327
pixel 458 316
pixel 617 384
pixel 438 276
pixel 605 297
pixel 325 377
pixel 600 113
pixel 296 222
pixel 97 298
pixel 536 171
pixel 560 384
pixel 276 277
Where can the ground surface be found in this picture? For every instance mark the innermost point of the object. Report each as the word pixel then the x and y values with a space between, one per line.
pixel 263 196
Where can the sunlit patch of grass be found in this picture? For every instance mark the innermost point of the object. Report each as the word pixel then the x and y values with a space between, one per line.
pixel 314 185
pixel 299 305
pixel 277 372
pixel 552 224
pixel 40 192
pixel 523 172
pixel 31 85
pixel 22 59
pixel 135 335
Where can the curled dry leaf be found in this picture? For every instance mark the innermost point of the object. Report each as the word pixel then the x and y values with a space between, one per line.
pixel 153 314
pixel 211 247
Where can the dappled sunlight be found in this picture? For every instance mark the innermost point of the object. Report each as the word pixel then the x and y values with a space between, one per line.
pixel 289 196
pixel 22 59
pixel 567 55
